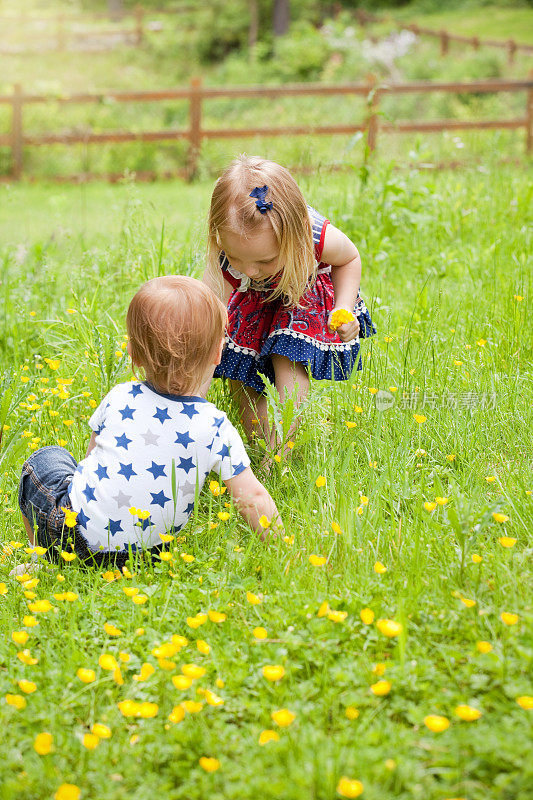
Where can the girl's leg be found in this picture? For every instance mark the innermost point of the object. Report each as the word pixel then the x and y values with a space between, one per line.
pixel 291 380
pixel 253 409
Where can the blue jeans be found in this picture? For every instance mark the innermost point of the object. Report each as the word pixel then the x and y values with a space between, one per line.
pixel 43 492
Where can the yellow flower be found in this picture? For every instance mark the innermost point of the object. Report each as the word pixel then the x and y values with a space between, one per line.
pixel 467 602
pixel 324 609
pixel 43 743
pixel 508 618
pixel 337 616
pixel 209 764
pixel 139 599
pixel 90 741
pixel 3 589
pixel 467 713
pixel 477 559
pixel 70 518
pixel 128 708
pixel 16 701
pixel 223 515
pixel 195 622
pixel 148 710
pixel 507 541
pixel 500 517
pixel 29 621
pixel 177 714
pixel 187 557
pixel 182 682
pixel 451 457
pixel 68 556
pixel 373 390
pixel 260 633
pixel 26 658
pixel 145 672
pixel 320 481
pixel 216 489
pixel 219 683
pixel 349 424
pixel 164 555
pixel 441 501
pixel 107 661
pixel 367 616
pixel 525 702
pixel 347 787
pixel 20 637
pixel 379 568
pixel 253 599
pixel 216 616
pixel 101 730
pixel 481 342
pixel 191 707
pixel 117 677
pixel 388 627
pixel 518 298
pixel 430 506
pixel 213 699
pixel 317 561
pixel 193 671
pixel 336 527
pixel 381 688
pixel 436 723
pixel 283 717
pixel 340 317
pixel 420 418
pixel 40 606
pixel 68 791
pixel 264 521
pixel 351 712
pixel 268 736
pixel 112 630
pixel 490 478
pixel 28 687
pixel 273 673
pixel 166 537
pixel 203 647
pixel 484 647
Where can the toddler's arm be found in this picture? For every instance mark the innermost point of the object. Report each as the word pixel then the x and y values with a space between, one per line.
pixel 254 501
pixel 345 260
pixel 92 444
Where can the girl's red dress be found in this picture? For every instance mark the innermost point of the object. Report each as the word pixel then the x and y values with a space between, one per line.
pixel 259 327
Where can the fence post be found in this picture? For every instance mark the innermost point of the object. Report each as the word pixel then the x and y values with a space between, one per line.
pixel 372 119
pixel 511 50
pixel 475 42
pixel 139 32
pixel 195 131
pixel 16 133
pixel 444 43
pixel 529 117
pixel 253 27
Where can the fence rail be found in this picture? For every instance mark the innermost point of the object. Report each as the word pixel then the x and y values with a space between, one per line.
pixel 196 94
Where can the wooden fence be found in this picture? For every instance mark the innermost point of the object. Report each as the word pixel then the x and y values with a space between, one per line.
pixel 364 18
pixel 196 94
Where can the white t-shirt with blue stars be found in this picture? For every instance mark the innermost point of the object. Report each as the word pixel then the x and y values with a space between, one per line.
pixel 144 436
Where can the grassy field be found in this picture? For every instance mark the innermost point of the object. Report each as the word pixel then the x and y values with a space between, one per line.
pixel 442 500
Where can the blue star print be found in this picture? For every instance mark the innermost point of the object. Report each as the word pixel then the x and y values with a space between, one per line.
pixel 123 441
pixel 190 508
pixel 217 422
pixel 88 492
pixel 144 523
pixel 159 499
pixel 126 412
pixel 183 438
pixel 101 472
pixel 161 414
pixel 82 518
pixel 157 470
pixel 114 526
pixel 237 469
pixel 189 410
pixel 126 470
pixel 224 452
pixel 135 390
pixel 186 464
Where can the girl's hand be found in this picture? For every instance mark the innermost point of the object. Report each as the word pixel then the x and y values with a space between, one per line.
pixel 347 331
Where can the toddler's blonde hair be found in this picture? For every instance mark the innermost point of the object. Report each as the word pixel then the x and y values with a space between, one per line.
pixel 175 324
pixel 232 209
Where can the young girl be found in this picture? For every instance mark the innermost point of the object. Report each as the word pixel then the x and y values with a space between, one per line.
pixel 283 270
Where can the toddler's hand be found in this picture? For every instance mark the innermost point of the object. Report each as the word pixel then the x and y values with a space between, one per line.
pixel 345 323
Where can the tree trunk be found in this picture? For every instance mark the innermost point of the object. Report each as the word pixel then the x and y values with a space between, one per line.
pixel 281 17
pixel 115 9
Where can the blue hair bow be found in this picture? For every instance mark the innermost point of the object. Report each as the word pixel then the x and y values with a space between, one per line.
pixel 260 193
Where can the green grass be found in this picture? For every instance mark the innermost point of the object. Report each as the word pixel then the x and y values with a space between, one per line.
pixel 484 21
pixel 444 256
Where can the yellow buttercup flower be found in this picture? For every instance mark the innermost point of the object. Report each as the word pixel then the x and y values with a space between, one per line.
pixel 507 541
pixel 339 317
pixel 525 702
pixel 101 730
pixel 68 791
pixel 336 528
pixel 20 637
pixel 193 671
pixel 209 764
pixel 381 688
pixel 28 687
pixel 40 606
pixel 107 661
pixel 195 622
pixel 90 741
pixel 68 556
pixel 483 647
pixel 223 516
pixel 264 521
pixel 467 713
pixel 182 682
pixel 380 568
pixel 273 673
pixel 203 647
pixel 213 699
pixel 148 710
pixel 253 599
pixel 320 481
pixel 216 489
pixel 43 743
pixel 16 701
pixel 477 559
pixel 216 616
pixel 317 561
pixel 283 717
pixel 430 506
pixel 112 630
pixel 351 712
pixel 260 633
pixel 337 616
pixel 177 714
pixel 191 707
pixel 508 618
pixel 420 418
pixel 139 599
pixel 144 673
pixel 268 736
pixel 367 616
pixel 441 501
pixel 348 787
pixel 388 627
pixel 500 517
pixel 436 723
pixel 467 602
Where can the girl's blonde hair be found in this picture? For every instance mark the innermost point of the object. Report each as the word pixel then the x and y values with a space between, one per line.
pixel 175 325
pixel 234 210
